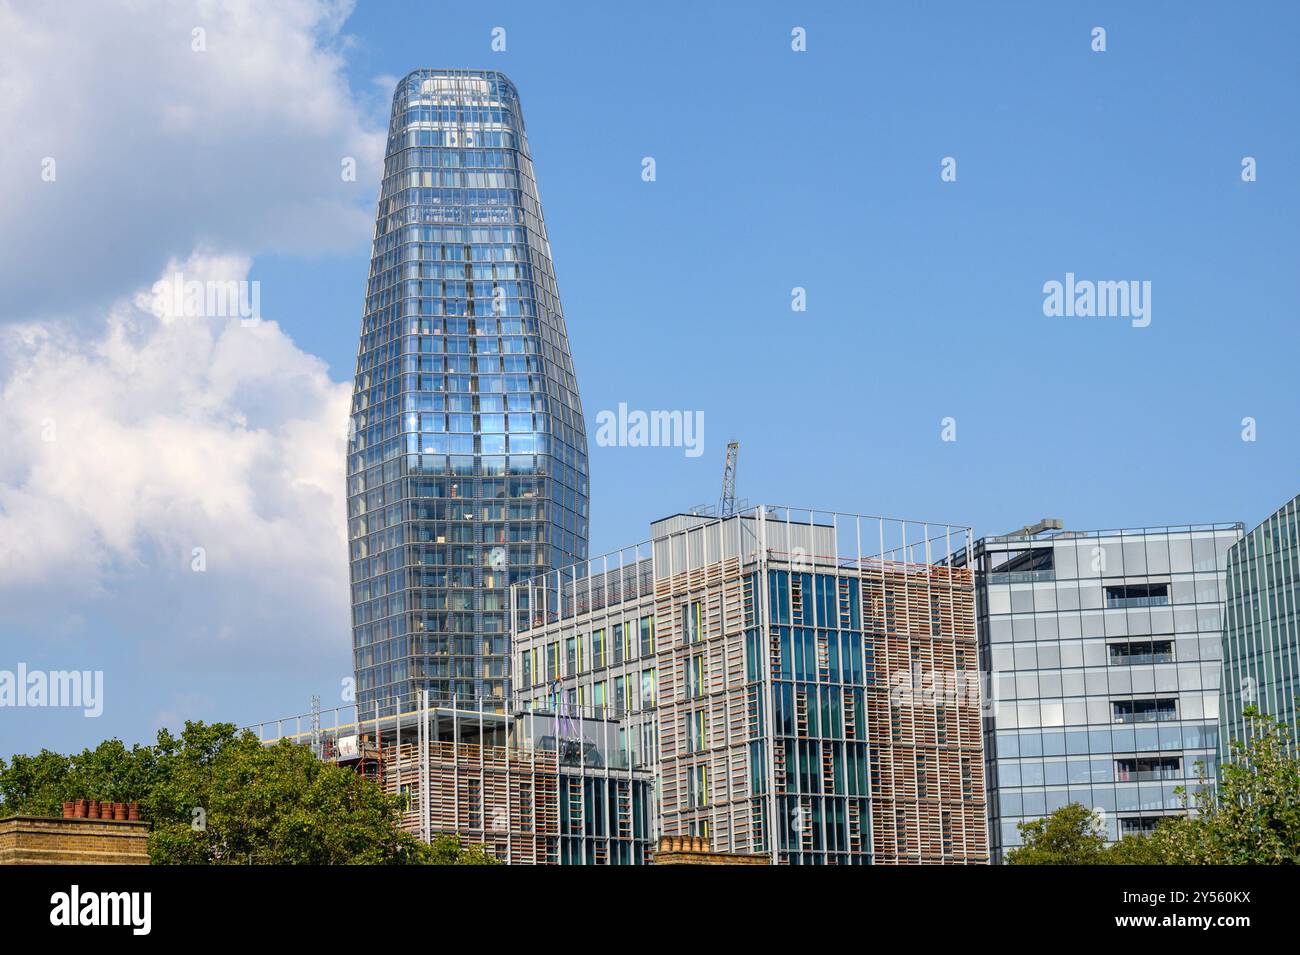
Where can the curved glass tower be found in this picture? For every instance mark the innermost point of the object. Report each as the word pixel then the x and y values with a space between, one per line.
pixel 467 463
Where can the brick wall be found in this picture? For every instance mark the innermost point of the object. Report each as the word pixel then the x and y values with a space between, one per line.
pixel 38 840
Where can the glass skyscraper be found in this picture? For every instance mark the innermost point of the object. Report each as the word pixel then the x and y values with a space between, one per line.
pixel 467 461
pixel 1102 657
pixel 1261 633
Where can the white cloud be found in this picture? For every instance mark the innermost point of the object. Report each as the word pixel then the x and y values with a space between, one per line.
pixel 130 438
pixel 160 149
pixel 129 448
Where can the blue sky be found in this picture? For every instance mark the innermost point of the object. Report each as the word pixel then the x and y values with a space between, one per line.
pixel 821 170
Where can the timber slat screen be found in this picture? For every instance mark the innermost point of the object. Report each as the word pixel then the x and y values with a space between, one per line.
pixel 704 742
pixel 797 697
pixel 504 798
pixel 924 718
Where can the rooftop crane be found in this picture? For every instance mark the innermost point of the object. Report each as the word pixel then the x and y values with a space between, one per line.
pixel 727 504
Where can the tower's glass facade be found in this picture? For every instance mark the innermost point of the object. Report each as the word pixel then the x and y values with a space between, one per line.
pixel 467 463
pixel 1261 633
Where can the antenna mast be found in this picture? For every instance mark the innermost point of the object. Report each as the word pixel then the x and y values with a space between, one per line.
pixel 727 505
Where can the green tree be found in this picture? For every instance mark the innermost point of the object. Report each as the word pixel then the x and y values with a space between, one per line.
pixel 449 850
pixel 38 785
pixel 1135 850
pixel 1069 836
pixel 217 796
pixel 1253 818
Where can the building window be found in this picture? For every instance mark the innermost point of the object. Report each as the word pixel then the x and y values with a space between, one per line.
pixel 1020 566
pixel 695 731
pixel 597 648
pixel 647 689
pixel 697 786
pixel 1137 595
pixel 695 676
pixel 1148 769
pixel 1145 711
pixel 1140 652
pixel 1138 826
pixel 620 650
pixel 647 636
pixel 691 622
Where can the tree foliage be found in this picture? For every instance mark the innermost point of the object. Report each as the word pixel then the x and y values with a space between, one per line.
pixel 450 850
pixel 1069 836
pixel 1252 819
pixel 217 796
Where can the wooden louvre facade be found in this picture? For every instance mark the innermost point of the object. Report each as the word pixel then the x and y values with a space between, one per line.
pixel 708 712
pixel 811 707
pixel 924 723
pixel 522 804
pixel 505 799
pixel 513 783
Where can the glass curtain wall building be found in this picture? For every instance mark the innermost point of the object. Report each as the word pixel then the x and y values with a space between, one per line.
pixel 1261 635
pixel 467 463
pixel 1101 651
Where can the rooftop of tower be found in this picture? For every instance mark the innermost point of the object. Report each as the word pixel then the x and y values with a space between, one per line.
pixel 434 73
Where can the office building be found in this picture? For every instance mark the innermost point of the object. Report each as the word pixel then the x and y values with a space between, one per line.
pixel 804 685
pixel 511 783
pixel 1261 633
pixel 1101 651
